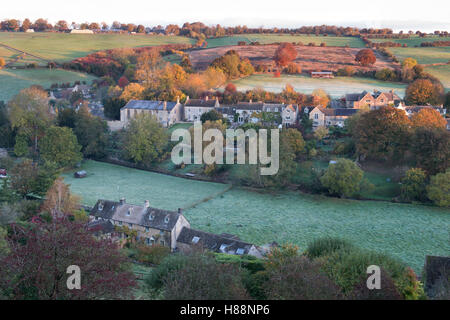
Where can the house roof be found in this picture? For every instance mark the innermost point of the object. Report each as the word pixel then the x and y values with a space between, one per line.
pixel 101 226
pixel 390 95
pixel 414 109
pixel 150 105
pixel 129 213
pixel 200 103
pixel 224 243
pixel 339 112
pixel 249 106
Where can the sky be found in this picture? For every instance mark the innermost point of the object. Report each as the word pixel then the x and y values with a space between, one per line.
pixel 404 15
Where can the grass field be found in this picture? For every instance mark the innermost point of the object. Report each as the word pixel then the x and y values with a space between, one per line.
pixel 65 47
pixel 423 55
pixel 442 73
pixel 352 42
pixel 413 40
pixel 12 81
pixel 336 87
pixel 408 232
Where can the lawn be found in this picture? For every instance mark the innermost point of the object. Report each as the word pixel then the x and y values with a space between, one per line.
pixel 413 40
pixel 336 87
pixel 408 232
pixel 427 55
pixel 352 42
pixel 12 81
pixel 107 181
pixel 442 73
pixel 65 47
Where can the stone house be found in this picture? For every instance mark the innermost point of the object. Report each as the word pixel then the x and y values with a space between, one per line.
pixel 327 117
pixel 372 100
pixel 167 113
pixel 152 225
pixel 410 110
pixel 194 108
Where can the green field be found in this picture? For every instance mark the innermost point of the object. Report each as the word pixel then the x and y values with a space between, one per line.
pixel 413 40
pixel 442 73
pixel 12 81
pixel 423 55
pixel 352 42
pixel 408 232
pixel 65 47
pixel 336 87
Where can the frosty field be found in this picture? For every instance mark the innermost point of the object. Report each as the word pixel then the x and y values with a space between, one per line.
pixel 408 232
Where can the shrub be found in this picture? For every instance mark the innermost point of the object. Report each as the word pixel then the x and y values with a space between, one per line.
pixel 438 190
pixel 152 254
pixel 388 290
pixel 413 184
pixel 343 178
pixel 326 246
pixel 168 265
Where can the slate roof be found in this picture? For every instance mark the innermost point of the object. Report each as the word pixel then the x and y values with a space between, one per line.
pixel 249 106
pixel 101 226
pixel 224 243
pixel 150 105
pixel 200 103
pixel 140 215
pixel 339 112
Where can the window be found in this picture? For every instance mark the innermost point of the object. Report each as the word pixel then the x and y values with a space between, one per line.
pixel 316 116
pixel 223 247
pixel 240 251
pixel 147 240
pixel 100 206
pixel 120 223
pixel 195 239
pixel 130 210
pixel 151 217
pixel 162 242
pixel 166 219
pixel 147 229
pixel 131 225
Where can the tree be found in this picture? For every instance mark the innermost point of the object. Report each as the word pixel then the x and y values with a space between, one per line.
pixel 320 133
pixel 285 54
pixel 144 140
pixel 382 134
pixel 133 91
pixel 409 63
pixel 295 139
pixel 26 24
pixel 123 82
pixel 431 149
pixel 2 62
pixel 320 98
pixel 60 145
pixel 438 190
pixel 230 88
pixel 202 278
pixel 422 92
pixel 59 201
pixel 212 115
pixel 61 25
pixel 429 118
pixel 30 114
pixel 343 178
pixel 36 267
pixel 300 279
pixel 365 57
pixel 413 184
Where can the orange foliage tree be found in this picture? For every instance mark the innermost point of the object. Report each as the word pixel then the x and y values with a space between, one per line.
pixel 423 91
pixel 429 118
pixel 285 54
pixel 365 57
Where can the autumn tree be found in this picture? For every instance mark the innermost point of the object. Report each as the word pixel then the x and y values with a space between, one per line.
pixel 431 149
pixel 29 113
pixel 365 57
pixel 429 118
pixel 320 98
pixel 285 54
pixel 295 139
pixel 59 201
pixel 422 92
pixel 133 91
pixel 2 62
pixel 60 145
pixel 382 134
pixel 343 178
pixel 123 82
pixel 230 88
pixel 36 267
pixel 144 140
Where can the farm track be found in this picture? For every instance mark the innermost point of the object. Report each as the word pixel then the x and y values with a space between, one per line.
pixel 21 54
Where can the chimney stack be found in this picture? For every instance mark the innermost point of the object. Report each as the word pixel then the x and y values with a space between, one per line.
pixel 165 105
pixel 122 201
pixel 180 211
pixel 146 204
pixel 178 99
pixel 250 101
pixel 206 98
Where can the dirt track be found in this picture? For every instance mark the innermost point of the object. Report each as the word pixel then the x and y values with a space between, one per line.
pixel 309 58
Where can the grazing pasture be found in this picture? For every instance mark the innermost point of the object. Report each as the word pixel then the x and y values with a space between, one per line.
pixel 14 80
pixel 330 40
pixel 413 40
pixel 442 73
pixel 423 55
pixel 308 58
pixel 405 231
pixel 62 47
pixel 336 87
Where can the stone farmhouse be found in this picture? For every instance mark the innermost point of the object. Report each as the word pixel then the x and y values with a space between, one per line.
pixel 372 100
pixel 194 108
pixel 167 113
pixel 112 219
pixel 327 117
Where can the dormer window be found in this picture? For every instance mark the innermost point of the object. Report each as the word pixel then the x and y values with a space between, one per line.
pixel 240 251
pixel 195 239
pixel 166 219
pixel 129 211
pixel 100 206
pixel 151 217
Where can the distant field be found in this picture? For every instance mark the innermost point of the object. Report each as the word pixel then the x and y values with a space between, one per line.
pixel 413 40
pixel 12 81
pixel 424 55
pixel 65 47
pixel 271 38
pixel 442 73
pixel 336 87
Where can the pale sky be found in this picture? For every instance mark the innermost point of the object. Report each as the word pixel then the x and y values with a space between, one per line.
pixel 404 15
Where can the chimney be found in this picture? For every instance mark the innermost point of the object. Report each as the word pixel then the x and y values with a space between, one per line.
pixel 165 105
pixel 178 99
pixel 146 204
pixel 122 201
pixel 187 99
pixel 250 101
pixel 206 98
pixel 180 211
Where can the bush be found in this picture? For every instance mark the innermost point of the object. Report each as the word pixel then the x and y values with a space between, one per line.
pixel 251 263
pixel 168 265
pixel 343 178
pixel 326 246
pixel 438 190
pixel 152 254
pixel 413 184
pixel 388 290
